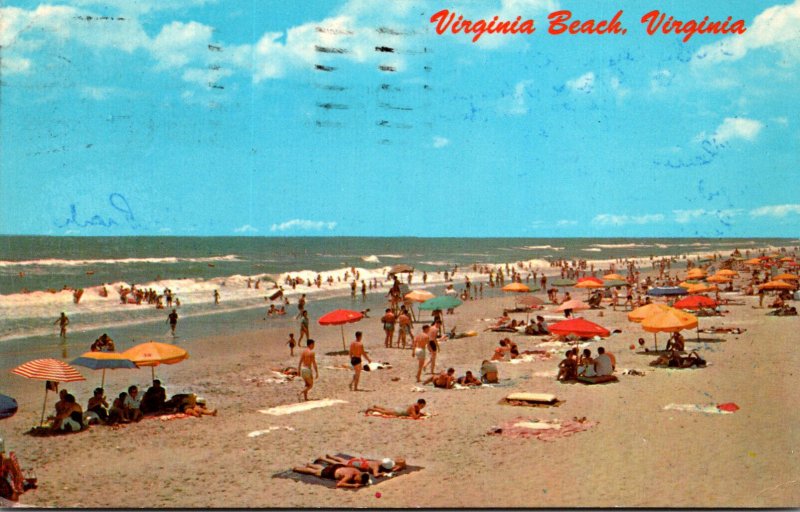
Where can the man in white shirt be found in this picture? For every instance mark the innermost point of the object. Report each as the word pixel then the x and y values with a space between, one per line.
pixel 602 363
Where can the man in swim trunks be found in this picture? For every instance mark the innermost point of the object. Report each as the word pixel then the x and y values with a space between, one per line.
pixel 444 380
pixel 62 322
pixel 412 411
pixel 404 321
pixel 172 318
pixel 308 361
pixel 419 349
pixel 356 353
pixel 345 476
pixel 433 344
pixel 388 320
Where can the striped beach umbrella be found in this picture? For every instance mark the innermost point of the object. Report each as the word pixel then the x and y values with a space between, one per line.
pixel 51 370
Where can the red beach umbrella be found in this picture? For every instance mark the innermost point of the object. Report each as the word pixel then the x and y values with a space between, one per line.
pixel 579 327
pixel 340 317
pixel 591 278
pixel 47 369
pixel 695 302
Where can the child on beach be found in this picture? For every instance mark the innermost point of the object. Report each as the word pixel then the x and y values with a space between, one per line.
pixel 291 344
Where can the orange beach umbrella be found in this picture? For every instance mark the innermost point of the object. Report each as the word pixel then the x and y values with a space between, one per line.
pixel 672 320
pixel 153 353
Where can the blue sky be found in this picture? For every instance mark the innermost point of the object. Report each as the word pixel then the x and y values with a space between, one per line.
pixel 195 117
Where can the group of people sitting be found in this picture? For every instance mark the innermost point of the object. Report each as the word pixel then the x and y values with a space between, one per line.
pixel 126 408
pixel 351 472
pixel 103 344
pixel 574 366
pixel 272 311
pixel 534 327
pixel 674 359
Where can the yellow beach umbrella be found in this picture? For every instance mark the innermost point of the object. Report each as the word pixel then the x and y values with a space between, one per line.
pixel 716 278
pixel 753 261
pixel 701 288
pixel 589 284
pixel 776 285
pixel 786 277
pixel 640 313
pixel 154 353
pixel 516 288
pixel 672 320
pixel 727 272
pixel 696 273
pixel 613 277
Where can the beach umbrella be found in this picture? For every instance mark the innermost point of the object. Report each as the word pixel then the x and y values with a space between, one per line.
pixel 753 261
pixel 642 312
pixel 672 320
pixel 727 272
pixel 419 296
pixel 401 269
pixel 574 305
pixel 695 302
pixel 563 282
pixel 786 277
pixel 516 288
pixel 443 302
pixel 8 406
pixel 776 285
pixel 578 327
pixel 340 317
pixel 613 277
pixel 590 284
pixel 787 258
pixel 48 370
pixel 103 361
pixel 663 291
pixel 590 278
pixel 696 273
pixel 702 288
pixel 529 300
pixel 613 283
pixel 716 278
pixel 154 353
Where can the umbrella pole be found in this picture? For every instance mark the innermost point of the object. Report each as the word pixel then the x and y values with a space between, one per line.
pixel 103 381
pixel 44 406
pixel 344 347
pixel 153 373
pixel 655 340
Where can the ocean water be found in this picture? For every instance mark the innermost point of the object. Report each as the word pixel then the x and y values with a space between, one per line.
pixel 34 270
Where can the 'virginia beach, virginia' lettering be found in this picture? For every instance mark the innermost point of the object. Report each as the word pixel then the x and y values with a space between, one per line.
pixel 561 22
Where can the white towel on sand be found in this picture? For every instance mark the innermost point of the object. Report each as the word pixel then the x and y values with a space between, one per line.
pixel 257 433
pixel 708 409
pixel 281 410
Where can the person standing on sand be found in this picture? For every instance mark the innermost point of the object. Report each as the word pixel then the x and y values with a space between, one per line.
pixel 301 306
pixel 63 322
pixel 303 329
pixel 216 297
pixel 404 321
pixel 308 361
pixel 291 344
pixel 433 345
pixel 356 353
pixel 173 321
pixel 388 327
pixel 419 349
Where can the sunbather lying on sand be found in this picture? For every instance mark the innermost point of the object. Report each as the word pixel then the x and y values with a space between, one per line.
pixel 345 476
pixel 412 411
pixel 374 467
pixel 722 330
pixel 444 380
pixel 489 373
pixel 289 371
pixel 674 360
pixel 468 380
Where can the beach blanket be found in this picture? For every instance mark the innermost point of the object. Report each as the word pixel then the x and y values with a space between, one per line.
pixel 541 355
pixel 726 408
pixel 368 367
pixel 547 430
pixel 44 431
pixel 281 410
pixel 331 484
pixel 257 433
pixel 547 374
pixel 600 379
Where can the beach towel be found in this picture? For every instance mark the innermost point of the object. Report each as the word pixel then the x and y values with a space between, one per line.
pixel 281 410
pixel 547 430
pixel 531 400
pixel 727 408
pixel 331 484
pixel 599 379
pixel 530 357
pixel 257 433
pixel 368 367
pixel 375 414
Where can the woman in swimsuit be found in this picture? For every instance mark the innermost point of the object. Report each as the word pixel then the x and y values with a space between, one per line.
pixel 412 411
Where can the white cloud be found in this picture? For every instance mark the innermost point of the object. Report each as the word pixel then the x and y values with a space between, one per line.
pixel 775 28
pixel 778 210
pixel 516 103
pixel 12 65
pixel 781 120
pixel 307 225
pixel 440 142
pixel 620 90
pixel 565 222
pixel 180 43
pixel 686 216
pixel 97 93
pixel 584 83
pixel 737 128
pixel 247 228
pixel 608 219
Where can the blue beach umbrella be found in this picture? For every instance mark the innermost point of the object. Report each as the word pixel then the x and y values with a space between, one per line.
pixel 8 406
pixel 103 361
pixel 665 291
pixel 443 302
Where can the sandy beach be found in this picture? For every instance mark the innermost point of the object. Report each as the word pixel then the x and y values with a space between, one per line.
pixel 636 455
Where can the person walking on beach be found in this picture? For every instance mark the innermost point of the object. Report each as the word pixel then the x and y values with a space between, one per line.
pixel 404 321
pixel 172 319
pixel 433 345
pixel 419 349
pixel 62 322
pixel 388 320
pixel 303 328
pixel 356 353
pixel 216 297
pixel 308 361
pixel 301 306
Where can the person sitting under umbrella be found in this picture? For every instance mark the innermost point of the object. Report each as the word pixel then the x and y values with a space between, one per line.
pixel 154 398
pixel 71 419
pixel 98 405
